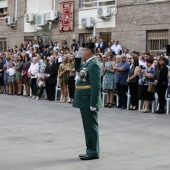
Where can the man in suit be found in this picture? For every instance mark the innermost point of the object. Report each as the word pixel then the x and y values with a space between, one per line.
pixel 88 99
pixel 102 45
pixel 51 78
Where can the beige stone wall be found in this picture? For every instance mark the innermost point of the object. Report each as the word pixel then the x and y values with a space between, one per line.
pixel 148 16
pixel 14 35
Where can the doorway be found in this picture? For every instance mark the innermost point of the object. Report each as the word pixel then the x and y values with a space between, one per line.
pixel 106 36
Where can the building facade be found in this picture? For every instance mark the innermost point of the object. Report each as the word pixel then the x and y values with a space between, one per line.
pixel 140 25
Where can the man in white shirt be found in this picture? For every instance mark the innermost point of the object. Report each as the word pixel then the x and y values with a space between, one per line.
pixel 116 47
pixel 95 41
pixel 127 53
pixel 33 72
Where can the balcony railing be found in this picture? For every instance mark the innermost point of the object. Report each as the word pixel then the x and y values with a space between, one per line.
pixel 95 3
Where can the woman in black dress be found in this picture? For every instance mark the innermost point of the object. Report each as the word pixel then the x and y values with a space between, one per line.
pixel 1 76
pixel 133 82
pixel 162 83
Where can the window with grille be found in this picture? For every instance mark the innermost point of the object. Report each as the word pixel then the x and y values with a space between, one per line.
pixel 85 38
pixel 157 41
pixel 95 3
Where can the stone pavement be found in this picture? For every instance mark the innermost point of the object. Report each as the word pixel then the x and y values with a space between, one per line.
pixel 43 135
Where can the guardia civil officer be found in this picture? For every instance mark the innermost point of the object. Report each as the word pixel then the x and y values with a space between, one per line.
pixel 88 98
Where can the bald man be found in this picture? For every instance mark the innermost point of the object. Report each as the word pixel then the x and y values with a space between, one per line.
pixel 51 78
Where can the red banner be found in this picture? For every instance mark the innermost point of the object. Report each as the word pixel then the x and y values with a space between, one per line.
pixel 66 16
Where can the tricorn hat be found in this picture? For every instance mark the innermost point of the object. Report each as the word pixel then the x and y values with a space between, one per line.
pixel 90 45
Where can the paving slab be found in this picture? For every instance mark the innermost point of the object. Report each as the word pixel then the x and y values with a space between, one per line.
pixel 44 135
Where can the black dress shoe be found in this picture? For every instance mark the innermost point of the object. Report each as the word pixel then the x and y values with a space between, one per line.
pixel 160 112
pixel 87 157
pixel 82 155
pixel 118 106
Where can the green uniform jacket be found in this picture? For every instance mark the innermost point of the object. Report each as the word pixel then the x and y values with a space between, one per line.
pixel 89 74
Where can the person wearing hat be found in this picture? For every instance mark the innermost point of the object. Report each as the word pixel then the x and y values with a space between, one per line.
pixel 87 97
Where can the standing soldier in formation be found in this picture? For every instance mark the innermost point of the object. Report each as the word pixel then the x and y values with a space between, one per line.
pixel 88 98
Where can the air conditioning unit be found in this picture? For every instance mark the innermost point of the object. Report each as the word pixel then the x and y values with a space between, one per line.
pixel 9 20
pixel 87 22
pixel 30 17
pixel 51 15
pixel 103 12
pixel 40 20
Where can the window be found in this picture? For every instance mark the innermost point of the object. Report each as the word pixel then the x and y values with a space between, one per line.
pixel 85 38
pixel 157 41
pixel 45 38
pixel 95 3
pixel 29 38
pixel 3 45
pixel 3 8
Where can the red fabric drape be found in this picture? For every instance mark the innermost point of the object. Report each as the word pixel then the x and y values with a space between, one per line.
pixel 66 16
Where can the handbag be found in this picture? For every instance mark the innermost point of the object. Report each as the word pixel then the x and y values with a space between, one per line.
pixel 151 87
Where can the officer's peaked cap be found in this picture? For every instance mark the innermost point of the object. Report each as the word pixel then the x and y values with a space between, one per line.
pixel 90 45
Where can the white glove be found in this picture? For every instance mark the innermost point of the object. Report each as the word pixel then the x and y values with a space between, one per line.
pixel 92 108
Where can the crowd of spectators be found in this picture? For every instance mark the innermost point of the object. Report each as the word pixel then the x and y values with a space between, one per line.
pixel 40 66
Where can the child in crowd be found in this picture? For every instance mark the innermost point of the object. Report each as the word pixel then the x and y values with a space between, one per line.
pixel 11 71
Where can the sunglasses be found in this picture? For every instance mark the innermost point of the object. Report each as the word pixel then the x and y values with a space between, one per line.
pixel 129 58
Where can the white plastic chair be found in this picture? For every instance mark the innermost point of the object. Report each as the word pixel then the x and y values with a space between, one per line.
pixel 156 102
pixel 57 88
pixel 167 102
pixel 140 105
pixel 104 95
pixel 128 99
pixel 30 92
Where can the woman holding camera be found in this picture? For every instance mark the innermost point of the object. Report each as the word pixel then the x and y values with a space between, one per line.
pixel 146 74
pixel 133 82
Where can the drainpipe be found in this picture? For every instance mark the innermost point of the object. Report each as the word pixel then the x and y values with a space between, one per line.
pixel 94 30
pixel 16 9
pixel 116 3
pixel 54 4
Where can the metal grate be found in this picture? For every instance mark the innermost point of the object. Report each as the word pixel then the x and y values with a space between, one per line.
pixel 157 41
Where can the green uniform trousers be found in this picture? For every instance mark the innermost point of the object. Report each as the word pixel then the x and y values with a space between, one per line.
pixel 90 124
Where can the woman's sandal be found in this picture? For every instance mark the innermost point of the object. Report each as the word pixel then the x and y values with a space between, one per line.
pixel 106 105
pixel 145 111
pixel 134 108
pixel 110 105
pixel 131 108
